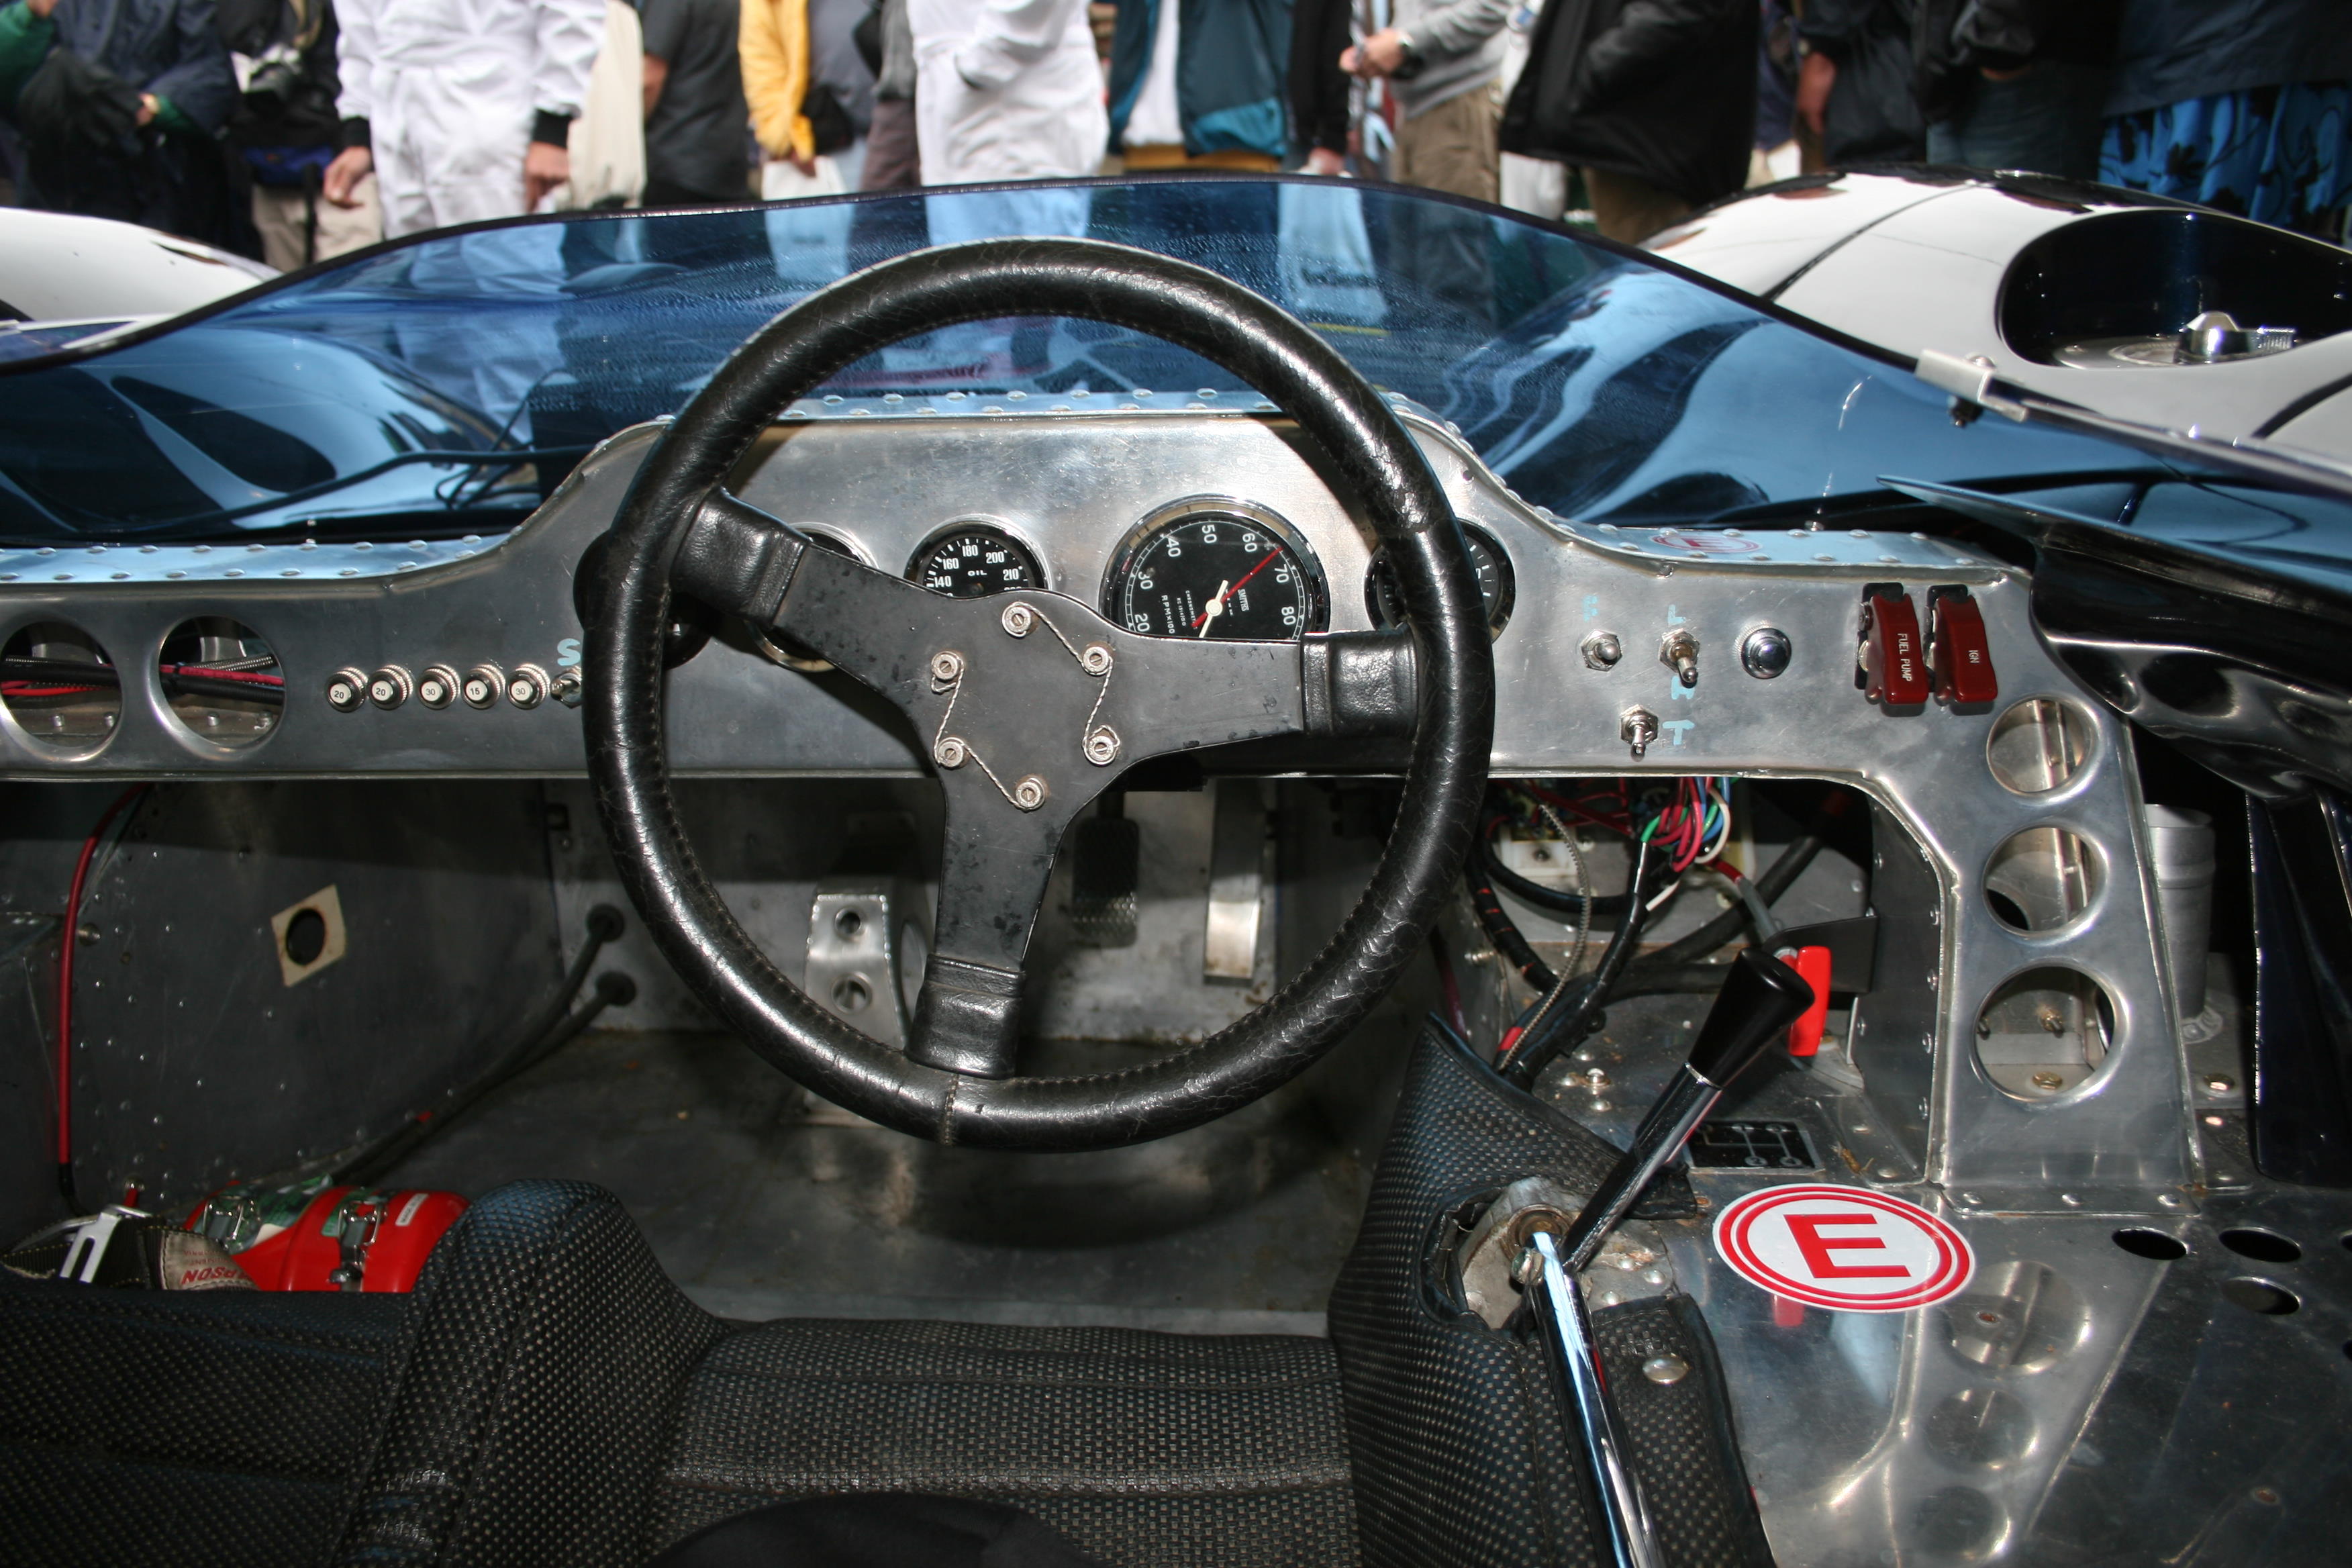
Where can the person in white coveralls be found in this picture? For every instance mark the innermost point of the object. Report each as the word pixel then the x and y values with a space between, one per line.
pixel 467 104
pixel 1007 89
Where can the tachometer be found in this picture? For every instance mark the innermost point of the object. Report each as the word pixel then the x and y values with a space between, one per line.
pixel 973 560
pixel 1496 588
pixel 1215 570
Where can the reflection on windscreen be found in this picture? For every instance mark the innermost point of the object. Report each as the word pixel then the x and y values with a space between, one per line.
pixel 446 385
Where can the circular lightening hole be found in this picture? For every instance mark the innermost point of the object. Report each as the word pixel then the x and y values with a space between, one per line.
pixel 2261 1296
pixel 2042 879
pixel 60 687
pixel 2261 1246
pixel 2039 745
pixel 222 680
pixel 2044 1032
pixel 2152 1244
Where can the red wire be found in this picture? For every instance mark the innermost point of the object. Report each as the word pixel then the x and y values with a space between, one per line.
pixel 1562 802
pixel 25 688
pixel 251 677
pixel 66 942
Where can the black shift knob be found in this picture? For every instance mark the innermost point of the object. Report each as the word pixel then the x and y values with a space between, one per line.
pixel 1761 996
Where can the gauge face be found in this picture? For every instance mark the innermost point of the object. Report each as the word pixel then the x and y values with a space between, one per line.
pixel 973 561
pixel 1215 574
pixel 1384 596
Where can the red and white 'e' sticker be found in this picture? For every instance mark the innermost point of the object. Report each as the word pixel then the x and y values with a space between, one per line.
pixel 1843 1248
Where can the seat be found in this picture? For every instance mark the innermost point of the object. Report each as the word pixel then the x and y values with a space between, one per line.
pixel 547 1396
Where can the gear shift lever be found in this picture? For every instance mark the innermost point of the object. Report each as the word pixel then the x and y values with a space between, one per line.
pixel 1761 996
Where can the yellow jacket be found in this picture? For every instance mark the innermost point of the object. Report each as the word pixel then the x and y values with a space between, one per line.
pixel 773 43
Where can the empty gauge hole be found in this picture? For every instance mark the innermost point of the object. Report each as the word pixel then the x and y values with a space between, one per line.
pixel 2044 1032
pixel 2260 1296
pixel 2152 1244
pixel 2042 878
pixel 60 687
pixel 222 680
pixel 2038 745
pixel 2261 1246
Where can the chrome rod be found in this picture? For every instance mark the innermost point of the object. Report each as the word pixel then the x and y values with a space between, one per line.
pixel 1575 1361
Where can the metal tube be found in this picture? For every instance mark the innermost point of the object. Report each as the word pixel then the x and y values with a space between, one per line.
pixel 1575 1362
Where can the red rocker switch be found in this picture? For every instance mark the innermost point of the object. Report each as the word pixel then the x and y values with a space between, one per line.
pixel 1894 672
pixel 1958 651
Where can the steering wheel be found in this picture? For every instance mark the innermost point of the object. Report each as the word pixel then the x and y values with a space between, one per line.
pixel 1031 704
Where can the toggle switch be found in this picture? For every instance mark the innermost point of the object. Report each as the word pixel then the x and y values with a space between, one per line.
pixel 1893 669
pixel 1958 651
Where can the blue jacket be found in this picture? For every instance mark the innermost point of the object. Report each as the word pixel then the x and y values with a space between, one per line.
pixel 2171 50
pixel 1233 66
pixel 169 47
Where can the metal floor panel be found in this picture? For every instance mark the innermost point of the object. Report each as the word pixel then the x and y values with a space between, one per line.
pixel 759 1210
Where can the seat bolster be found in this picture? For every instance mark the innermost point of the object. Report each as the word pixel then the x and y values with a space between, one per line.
pixel 536 1379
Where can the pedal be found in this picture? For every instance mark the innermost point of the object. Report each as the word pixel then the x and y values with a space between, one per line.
pixel 1106 857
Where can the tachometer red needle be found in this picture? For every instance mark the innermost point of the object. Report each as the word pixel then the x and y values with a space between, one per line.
pixel 1203 618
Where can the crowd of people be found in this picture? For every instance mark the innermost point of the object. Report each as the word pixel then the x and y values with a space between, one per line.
pixel 299 130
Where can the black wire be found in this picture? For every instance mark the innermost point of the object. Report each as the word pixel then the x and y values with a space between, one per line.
pixel 1501 929
pixel 550 1028
pixel 1552 901
pixel 1774 881
pixel 1547 1036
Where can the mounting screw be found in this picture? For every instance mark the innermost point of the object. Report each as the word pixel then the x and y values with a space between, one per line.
pixel 1018 618
pixel 1679 653
pixel 1102 745
pixel 947 667
pixel 1665 1370
pixel 949 751
pixel 1030 793
pixel 2220 1083
pixel 1637 727
pixel 2047 1081
pixel 1096 660
pixel 1601 650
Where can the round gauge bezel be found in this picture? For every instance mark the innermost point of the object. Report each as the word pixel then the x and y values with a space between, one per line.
pixel 841 536
pixel 1131 545
pixel 1505 603
pixel 1011 532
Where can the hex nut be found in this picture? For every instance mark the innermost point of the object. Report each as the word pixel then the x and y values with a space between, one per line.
pixel 1601 650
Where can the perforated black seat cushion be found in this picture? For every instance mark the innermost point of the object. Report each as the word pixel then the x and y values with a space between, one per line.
pixel 141 1426
pixel 1148 1450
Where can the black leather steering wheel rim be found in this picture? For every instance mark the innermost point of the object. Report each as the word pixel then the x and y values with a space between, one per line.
pixel 1371 457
